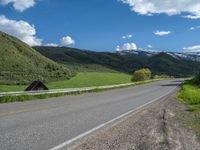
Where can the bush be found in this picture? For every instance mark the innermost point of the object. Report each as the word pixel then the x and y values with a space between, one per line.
pixel 196 79
pixel 141 75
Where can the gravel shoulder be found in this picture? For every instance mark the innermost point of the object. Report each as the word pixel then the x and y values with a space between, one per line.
pixel 163 125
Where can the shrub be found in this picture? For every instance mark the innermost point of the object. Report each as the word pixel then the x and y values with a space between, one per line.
pixel 141 75
pixel 196 79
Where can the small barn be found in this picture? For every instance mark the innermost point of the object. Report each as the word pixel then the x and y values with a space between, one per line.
pixel 36 86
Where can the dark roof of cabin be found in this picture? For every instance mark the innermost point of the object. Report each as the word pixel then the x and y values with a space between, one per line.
pixel 34 85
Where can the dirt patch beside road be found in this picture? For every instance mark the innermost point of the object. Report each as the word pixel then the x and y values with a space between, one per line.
pixel 163 125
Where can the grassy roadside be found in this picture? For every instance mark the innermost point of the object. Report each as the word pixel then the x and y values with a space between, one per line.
pixel 21 98
pixel 83 79
pixel 190 94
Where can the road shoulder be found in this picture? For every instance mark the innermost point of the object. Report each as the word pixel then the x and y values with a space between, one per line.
pixel 162 125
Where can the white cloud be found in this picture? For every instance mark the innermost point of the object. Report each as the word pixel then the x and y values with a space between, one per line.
pixel 19 5
pixel 127 46
pixel 149 46
pixel 169 7
pixel 195 48
pixel 64 41
pixel 52 44
pixel 20 29
pixel 192 16
pixel 194 28
pixel 128 36
pixel 118 48
pixel 162 33
pixel 67 40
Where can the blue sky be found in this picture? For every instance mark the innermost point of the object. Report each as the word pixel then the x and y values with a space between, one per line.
pixel 100 24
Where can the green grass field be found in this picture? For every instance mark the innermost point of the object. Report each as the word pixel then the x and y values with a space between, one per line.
pixel 12 88
pixel 84 79
pixel 190 94
pixel 92 79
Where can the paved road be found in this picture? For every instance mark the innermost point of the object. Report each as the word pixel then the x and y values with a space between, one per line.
pixel 45 124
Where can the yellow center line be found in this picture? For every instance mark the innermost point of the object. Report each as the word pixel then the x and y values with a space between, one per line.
pixel 31 110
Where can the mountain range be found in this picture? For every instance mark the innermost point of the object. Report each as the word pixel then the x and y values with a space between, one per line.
pixel 158 62
pixel 194 56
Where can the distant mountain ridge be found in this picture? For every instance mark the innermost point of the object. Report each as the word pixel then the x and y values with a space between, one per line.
pixel 194 56
pixel 158 62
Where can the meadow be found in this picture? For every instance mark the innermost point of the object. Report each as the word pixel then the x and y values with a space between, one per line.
pixel 82 79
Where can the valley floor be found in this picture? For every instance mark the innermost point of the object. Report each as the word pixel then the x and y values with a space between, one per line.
pixel 164 125
pixel 83 79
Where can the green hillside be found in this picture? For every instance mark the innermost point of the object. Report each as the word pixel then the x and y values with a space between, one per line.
pixel 80 60
pixel 159 64
pixel 166 64
pixel 19 63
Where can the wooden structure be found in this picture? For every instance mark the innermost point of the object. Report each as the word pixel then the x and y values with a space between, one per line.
pixel 36 86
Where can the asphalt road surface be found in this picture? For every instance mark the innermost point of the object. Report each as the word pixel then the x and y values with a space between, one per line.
pixel 56 122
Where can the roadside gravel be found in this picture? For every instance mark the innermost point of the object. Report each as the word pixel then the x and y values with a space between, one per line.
pixel 162 125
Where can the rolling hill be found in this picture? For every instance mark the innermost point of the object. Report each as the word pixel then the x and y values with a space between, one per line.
pixel 160 63
pixel 19 63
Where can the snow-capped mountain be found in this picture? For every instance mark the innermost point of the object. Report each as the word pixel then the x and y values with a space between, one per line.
pixel 194 56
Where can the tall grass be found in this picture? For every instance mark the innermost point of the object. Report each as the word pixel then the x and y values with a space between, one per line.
pixel 190 94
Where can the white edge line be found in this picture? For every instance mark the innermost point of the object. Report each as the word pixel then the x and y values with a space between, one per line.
pixel 62 145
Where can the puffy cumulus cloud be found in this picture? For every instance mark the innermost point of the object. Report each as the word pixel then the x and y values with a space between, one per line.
pixel 52 45
pixel 128 36
pixel 19 5
pixel 67 40
pixel 20 29
pixel 195 48
pixel 169 7
pixel 127 46
pixel 162 33
pixel 64 41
